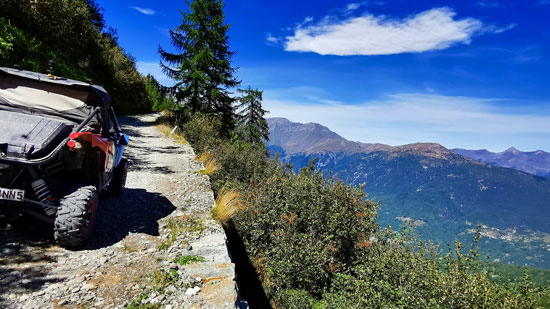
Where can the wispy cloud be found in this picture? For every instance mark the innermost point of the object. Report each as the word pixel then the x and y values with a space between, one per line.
pixel 527 54
pixel 497 29
pixel 489 4
pixel 145 11
pixel 353 6
pixel 505 28
pixel 544 2
pixel 406 118
pixel 434 29
pixel 272 40
pixel 164 31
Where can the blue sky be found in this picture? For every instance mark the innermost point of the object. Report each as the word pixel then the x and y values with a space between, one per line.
pixel 470 74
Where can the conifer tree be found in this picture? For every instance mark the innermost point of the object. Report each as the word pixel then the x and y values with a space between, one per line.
pixel 157 94
pixel 252 123
pixel 201 64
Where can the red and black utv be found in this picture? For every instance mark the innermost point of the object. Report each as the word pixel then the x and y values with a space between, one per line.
pixel 60 146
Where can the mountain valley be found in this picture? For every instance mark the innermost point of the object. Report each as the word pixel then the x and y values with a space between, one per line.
pixel 446 193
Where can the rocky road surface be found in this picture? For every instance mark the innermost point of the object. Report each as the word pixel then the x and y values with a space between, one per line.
pixel 154 247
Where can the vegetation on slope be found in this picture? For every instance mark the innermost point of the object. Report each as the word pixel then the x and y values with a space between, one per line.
pixel 451 196
pixel 315 243
pixel 69 39
pixel 313 240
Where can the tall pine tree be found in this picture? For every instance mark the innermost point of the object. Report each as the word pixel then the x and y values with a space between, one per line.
pixel 201 64
pixel 253 126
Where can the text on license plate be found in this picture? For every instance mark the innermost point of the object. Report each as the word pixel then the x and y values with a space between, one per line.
pixel 12 194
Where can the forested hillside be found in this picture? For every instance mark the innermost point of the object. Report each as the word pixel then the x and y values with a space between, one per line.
pixel 70 39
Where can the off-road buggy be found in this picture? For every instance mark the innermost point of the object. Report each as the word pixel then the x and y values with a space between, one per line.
pixel 60 146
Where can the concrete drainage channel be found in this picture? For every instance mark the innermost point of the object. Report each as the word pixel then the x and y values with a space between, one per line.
pixel 251 292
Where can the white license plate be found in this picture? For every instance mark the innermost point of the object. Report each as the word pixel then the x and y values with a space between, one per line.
pixel 12 194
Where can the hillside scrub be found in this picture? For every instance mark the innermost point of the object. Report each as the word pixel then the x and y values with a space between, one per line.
pixel 314 240
pixel 69 39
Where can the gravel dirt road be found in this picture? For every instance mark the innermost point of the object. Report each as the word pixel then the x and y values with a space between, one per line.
pixel 155 247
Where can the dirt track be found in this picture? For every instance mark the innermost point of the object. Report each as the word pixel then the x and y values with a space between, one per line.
pixel 163 215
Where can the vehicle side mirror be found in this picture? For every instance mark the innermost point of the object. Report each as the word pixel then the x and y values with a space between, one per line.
pixel 123 140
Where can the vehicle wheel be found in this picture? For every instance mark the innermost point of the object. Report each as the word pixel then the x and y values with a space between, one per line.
pixel 75 217
pixel 116 187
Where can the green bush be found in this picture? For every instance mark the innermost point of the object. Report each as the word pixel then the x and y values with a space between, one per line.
pixel 241 161
pixel 318 226
pixel 202 132
pixel 398 274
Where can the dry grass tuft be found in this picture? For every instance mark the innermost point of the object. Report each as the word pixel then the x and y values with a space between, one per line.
pixel 210 167
pixel 177 135
pixel 204 157
pixel 228 203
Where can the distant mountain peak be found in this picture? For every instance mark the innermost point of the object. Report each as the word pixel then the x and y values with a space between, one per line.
pixel 428 147
pixel 312 137
pixel 512 150
pixel 535 162
pixel 434 150
pixel 296 137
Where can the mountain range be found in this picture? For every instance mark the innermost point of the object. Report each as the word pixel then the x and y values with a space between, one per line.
pixel 314 138
pixel 532 162
pixel 447 193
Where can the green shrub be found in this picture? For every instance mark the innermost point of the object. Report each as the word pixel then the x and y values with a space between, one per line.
pixel 240 160
pixel 394 274
pixel 318 226
pixel 202 132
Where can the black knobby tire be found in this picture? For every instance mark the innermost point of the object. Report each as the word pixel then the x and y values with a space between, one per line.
pixel 116 187
pixel 75 217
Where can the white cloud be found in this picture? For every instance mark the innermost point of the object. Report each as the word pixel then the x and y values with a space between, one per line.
pixel 145 11
pixel 271 40
pixel 154 69
pixel 433 29
pixel 407 118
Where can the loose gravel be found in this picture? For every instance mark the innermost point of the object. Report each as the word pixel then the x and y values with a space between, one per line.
pixel 154 247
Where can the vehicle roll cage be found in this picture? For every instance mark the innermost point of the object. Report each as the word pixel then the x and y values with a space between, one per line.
pixel 50 156
pixel 101 105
